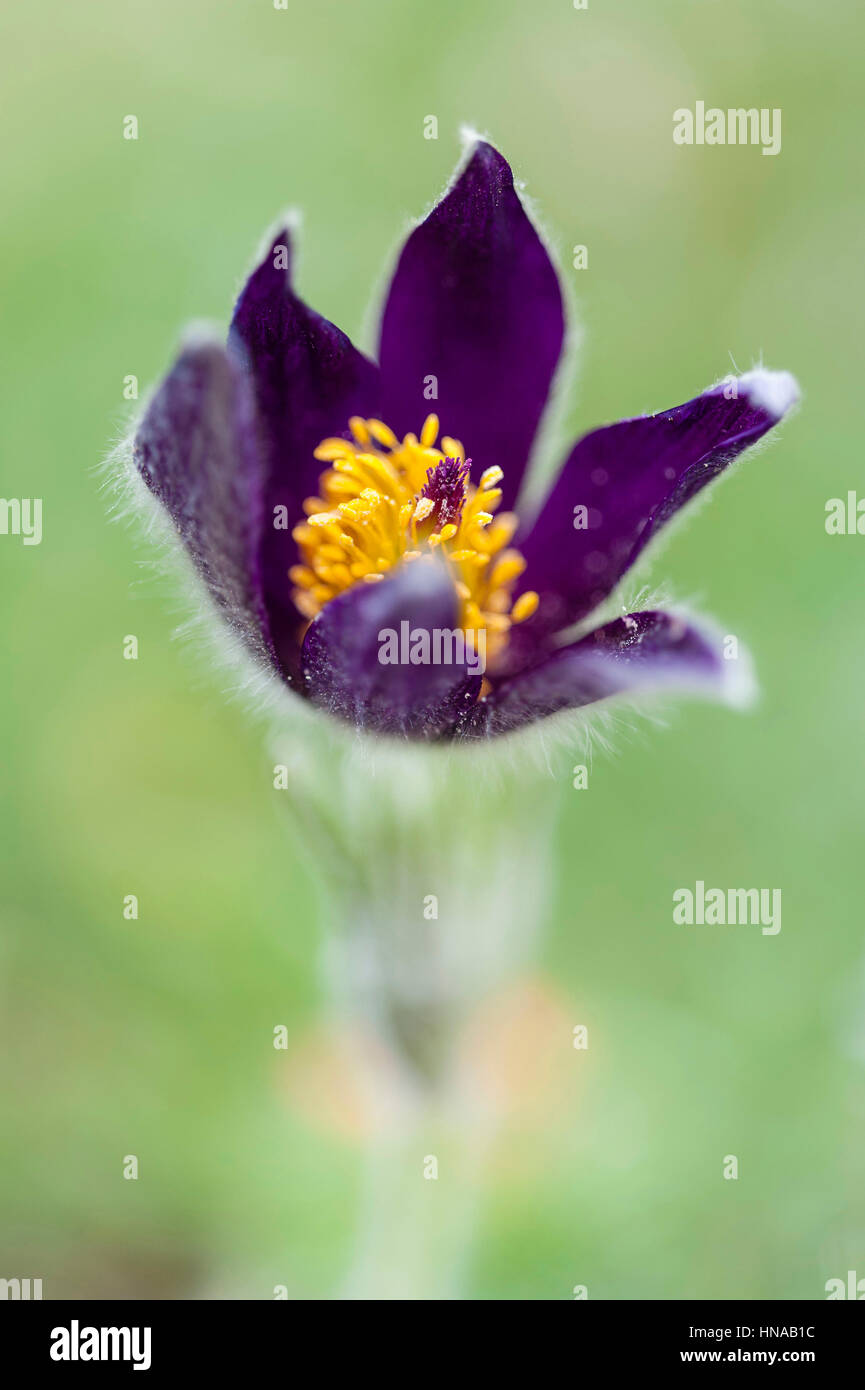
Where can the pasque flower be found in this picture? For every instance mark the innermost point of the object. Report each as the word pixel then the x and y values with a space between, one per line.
pixel 324 503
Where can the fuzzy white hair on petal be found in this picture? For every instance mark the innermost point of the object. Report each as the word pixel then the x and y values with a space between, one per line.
pixel 469 137
pixel 215 649
pixel 774 392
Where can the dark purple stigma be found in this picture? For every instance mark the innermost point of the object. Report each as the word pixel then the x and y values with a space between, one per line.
pixel 445 486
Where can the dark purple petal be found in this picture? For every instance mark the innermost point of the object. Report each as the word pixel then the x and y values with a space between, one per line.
pixel 631 478
pixel 197 450
pixel 341 653
pixel 308 381
pixel 643 651
pixel 474 302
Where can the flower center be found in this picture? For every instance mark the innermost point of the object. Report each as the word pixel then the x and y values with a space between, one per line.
pixel 384 501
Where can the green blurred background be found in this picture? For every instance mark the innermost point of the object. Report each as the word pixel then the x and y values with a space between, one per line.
pixel 154 1037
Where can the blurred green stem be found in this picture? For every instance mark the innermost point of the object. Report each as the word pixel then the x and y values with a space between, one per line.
pixel 419 1202
pixel 436 869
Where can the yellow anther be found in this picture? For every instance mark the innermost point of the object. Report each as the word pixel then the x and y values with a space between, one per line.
pixel 330 449
pixel 305 604
pixel 331 552
pixel 509 566
pixel 502 529
pixel 382 435
pixel 525 606
pixel 424 507
pixel 358 428
pixel 429 431
pixel 473 615
pixel 302 575
pixel 337 485
pixel 498 600
pixel 490 477
pixel 492 496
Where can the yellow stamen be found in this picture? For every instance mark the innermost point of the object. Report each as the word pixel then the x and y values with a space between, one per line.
pixel 359 429
pixel 429 432
pixel 525 606
pixel 382 435
pixel 509 566
pixel 490 477
pixel 330 449
pixel 375 510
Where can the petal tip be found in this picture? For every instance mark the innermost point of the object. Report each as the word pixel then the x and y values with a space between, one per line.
pixel 286 226
pixel 774 392
pixel 274 261
pixel 471 138
pixel 200 337
pixel 478 147
pixel 739 689
pixel 728 676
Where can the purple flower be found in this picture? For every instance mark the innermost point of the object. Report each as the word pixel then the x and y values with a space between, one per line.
pixel 319 521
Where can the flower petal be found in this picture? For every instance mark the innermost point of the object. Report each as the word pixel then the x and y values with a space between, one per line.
pixel 197 450
pixel 308 380
pixel 341 655
pixel 474 302
pixel 643 651
pixel 633 477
